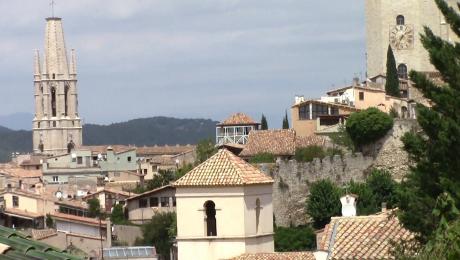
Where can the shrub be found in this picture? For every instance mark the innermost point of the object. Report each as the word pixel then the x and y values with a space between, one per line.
pixel 118 215
pixel 323 202
pixel 290 239
pixel 49 221
pixel 368 125
pixel 366 203
pixel 262 158
pixel 383 187
pixel 307 154
pixel 158 233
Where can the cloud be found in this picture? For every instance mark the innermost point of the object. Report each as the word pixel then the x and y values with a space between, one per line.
pixel 195 58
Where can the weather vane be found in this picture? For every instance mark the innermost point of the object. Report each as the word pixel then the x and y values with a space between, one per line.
pixel 52 7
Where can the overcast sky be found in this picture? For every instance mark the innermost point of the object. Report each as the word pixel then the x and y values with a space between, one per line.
pixel 187 58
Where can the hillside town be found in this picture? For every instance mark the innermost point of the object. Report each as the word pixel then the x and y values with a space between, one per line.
pixel 369 170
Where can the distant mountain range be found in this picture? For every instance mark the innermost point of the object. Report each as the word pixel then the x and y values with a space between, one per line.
pixel 139 132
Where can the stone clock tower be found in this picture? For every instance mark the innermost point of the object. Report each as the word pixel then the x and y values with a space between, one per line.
pixel 399 24
pixel 56 125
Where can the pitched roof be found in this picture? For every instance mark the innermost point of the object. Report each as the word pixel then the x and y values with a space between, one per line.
pixel 78 219
pixel 277 256
pixel 16 245
pixel 164 150
pixel 276 142
pixel 223 169
pixel 21 173
pixel 280 142
pixel 362 237
pixel 238 119
pixel 108 190
pixel 150 192
pixel 39 234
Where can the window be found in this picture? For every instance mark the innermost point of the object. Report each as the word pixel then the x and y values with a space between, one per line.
pixel 79 160
pixel 38 125
pixel 145 171
pixel 15 201
pixel 400 20
pixel 55 178
pixel 66 94
pixel 129 158
pixel 54 123
pixel 361 95
pixel 334 111
pixel 257 214
pixel 153 202
pixel 164 201
pixel 53 101
pixel 402 71
pixel 210 209
pixel 174 201
pixel 304 112
pixel 142 203
pixel 319 110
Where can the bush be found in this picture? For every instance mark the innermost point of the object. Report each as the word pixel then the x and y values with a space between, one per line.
pixel 293 239
pixel 94 208
pixel 262 158
pixel 368 125
pixel 384 188
pixel 49 221
pixel 118 215
pixel 366 203
pixel 323 202
pixel 158 233
pixel 307 154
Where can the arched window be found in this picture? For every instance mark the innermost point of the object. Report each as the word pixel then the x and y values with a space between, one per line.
pixel 402 71
pixel 400 20
pixel 210 208
pixel 257 215
pixel 42 99
pixel 66 94
pixel 53 102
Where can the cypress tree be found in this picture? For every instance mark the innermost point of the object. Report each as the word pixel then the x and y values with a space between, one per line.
pixel 285 121
pixel 435 180
pixel 263 123
pixel 392 82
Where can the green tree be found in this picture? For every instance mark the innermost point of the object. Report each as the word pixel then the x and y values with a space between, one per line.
pixel 263 123
pixel 436 149
pixel 262 158
pixel 366 204
pixel 368 125
pixel 323 202
pixel 164 177
pixel 205 149
pixel 292 239
pixel 392 81
pixel 160 232
pixel 384 188
pixel 94 208
pixel 307 154
pixel 49 221
pixel 118 215
pixel 286 121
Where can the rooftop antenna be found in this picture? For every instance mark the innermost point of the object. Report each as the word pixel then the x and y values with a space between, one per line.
pixel 52 3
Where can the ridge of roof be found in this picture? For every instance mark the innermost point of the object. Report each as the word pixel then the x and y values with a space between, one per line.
pixel 223 169
pixel 238 119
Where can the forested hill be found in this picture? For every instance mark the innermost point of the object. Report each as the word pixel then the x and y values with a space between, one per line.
pixel 143 131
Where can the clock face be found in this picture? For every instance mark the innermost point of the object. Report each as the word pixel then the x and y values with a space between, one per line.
pixel 401 37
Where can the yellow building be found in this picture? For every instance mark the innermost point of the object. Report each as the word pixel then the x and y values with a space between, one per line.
pixel 224 209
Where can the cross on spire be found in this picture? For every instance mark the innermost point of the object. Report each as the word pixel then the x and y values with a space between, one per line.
pixel 52 3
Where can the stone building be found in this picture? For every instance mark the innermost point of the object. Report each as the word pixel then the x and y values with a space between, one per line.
pixel 56 125
pixel 399 24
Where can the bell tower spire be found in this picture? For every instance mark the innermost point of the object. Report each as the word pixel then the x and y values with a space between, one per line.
pixel 56 122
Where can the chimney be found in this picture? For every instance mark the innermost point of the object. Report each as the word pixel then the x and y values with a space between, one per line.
pixel 355 81
pixel 349 205
pixel 384 207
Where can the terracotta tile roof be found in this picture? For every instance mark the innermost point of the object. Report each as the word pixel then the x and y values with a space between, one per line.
pixel 164 150
pixel 102 149
pixel 280 142
pixel 109 190
pixel 78 219
pixel 39 234
pixel 163 160
pixel 150 192
pixel 238 119
pixel 21 173
pixel 276 142
pixel 362 237
pixel 223 169
pixel 277 256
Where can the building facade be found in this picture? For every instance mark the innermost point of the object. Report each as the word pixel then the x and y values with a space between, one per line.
pixel 399 24
pixel 56 125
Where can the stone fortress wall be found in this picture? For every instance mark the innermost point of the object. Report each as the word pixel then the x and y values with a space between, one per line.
pixel 292 178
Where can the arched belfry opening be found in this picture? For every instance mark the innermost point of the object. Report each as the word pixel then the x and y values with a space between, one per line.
pixel 53 101
pixel 66 98
pixel 210 210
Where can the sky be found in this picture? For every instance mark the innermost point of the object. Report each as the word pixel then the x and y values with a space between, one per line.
pixel 187 59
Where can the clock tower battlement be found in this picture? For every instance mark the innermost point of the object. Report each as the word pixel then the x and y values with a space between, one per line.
pixel 56 124
pixel 399 24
